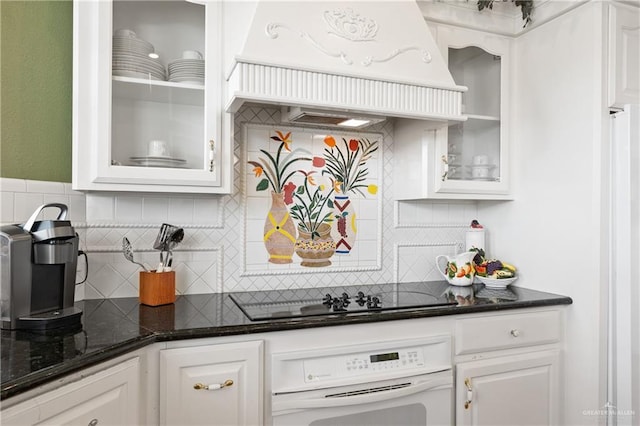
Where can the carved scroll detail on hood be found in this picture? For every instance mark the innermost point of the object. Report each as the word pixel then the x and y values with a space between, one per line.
pixel 373 57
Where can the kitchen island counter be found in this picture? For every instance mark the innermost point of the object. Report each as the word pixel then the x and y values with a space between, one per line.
pixel 113 327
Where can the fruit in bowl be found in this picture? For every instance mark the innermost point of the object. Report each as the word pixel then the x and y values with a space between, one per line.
pixel 495 269
pixel 494 273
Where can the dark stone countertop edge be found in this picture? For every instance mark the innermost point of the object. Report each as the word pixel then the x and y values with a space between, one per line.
pixel 33 380
pixel 337 320
pixel 41 377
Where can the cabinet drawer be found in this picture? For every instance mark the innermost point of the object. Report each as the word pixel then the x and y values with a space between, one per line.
pixel 506 331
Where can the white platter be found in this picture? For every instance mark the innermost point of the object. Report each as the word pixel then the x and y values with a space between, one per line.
pixel 194 80
pixel 167 162
pixel 499 283
pixel 136 74
pixel 157 158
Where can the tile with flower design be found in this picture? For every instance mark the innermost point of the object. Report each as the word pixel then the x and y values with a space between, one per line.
pixel 313 199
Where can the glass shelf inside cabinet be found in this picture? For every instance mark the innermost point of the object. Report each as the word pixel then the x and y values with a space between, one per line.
pixel 156 123
pixel 474 145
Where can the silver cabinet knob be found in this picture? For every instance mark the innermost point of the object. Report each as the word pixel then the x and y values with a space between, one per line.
pixel 515 332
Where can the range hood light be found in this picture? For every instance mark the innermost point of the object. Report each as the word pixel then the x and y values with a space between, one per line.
pixel 319 117
pixel 353 122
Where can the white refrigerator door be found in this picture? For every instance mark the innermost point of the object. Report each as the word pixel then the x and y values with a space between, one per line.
pixel 624 341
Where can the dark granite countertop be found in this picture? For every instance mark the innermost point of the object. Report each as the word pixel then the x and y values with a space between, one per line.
pixel 113 327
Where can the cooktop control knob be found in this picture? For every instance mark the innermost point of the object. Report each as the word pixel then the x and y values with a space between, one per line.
pixel 373 303
pixel 345 299
pixel 327 300
pixel 338 305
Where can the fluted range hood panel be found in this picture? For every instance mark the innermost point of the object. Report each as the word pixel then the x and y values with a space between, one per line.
pixel 375 57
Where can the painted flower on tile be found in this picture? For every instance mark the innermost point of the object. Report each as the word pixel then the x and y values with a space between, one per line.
pixel 288 192
pixel 313 206
pixel 347 164
pixel 257 170
pixel 276 167
pixel 285 139
pixel 318 162
pixel 330 141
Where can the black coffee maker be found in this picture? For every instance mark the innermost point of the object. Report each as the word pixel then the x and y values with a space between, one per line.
pixel 38 273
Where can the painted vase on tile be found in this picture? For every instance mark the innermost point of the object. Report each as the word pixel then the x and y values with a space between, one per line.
pixel 315 252
pixel 344 224
pixel 279 231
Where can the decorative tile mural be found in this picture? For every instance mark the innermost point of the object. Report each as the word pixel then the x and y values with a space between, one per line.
pixel 313 199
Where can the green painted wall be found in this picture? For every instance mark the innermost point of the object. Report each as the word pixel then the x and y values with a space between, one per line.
pixel 36 40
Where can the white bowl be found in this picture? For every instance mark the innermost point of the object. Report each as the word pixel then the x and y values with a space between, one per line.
pixel 496 282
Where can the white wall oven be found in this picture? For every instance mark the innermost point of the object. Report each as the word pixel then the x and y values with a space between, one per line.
pixel 405 382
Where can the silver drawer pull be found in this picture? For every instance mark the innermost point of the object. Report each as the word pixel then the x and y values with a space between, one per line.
pixel 93 422
pixel 515 332
pixel 215 386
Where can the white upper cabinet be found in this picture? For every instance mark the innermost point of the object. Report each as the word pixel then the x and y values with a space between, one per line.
pixel 624 55
pixel 147 113
pixel 469 159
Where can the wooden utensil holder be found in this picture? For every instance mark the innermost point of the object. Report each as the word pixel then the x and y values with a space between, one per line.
pixel 157 288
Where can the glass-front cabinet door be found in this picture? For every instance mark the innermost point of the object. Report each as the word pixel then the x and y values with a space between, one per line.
pixel 147 97
pixel 473 157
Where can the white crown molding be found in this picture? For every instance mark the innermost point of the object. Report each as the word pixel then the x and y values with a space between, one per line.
pixel 505 18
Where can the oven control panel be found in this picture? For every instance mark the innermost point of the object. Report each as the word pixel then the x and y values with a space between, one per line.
pixel 386 361
pixel 364 363
pixel 360 363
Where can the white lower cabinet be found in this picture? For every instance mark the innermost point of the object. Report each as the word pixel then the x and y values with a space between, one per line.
pixel 510 390
pixel 508 369
pixel 109 397
pixel 214 384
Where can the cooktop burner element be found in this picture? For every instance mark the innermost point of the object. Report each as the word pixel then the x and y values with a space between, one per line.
pixel 280 304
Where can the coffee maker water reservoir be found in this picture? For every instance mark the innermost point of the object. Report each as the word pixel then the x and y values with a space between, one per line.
pixel 38 273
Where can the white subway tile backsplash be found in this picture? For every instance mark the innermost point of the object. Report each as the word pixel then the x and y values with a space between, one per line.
pixel 13 185
pixel 440 213
pixel 77 210
pixel 44 187
pixel 128 209
pixel 423 213
pixel 6 208
pixel 155 209
pixel 181 210
pixel 208 211
pixel 25 204
pixel 100 208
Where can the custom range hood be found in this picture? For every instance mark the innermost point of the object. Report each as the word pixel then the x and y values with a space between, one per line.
pixel 326 61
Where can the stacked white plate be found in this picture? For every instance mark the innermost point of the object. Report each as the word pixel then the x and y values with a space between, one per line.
pixel 150 161
pixel 187 71
pixel 131 59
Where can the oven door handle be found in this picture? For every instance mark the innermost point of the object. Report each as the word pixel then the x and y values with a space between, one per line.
pixel 367 398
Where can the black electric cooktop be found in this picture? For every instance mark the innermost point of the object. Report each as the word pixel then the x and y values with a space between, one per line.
pixel 363 299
